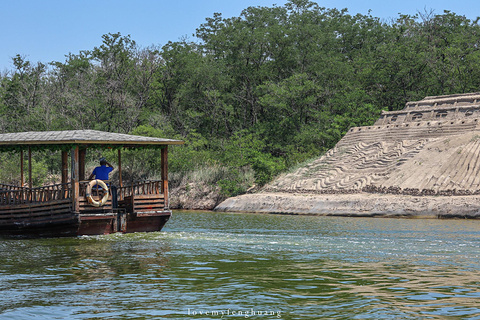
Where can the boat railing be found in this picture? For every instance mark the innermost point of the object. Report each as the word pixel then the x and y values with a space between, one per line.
pixel 6 187
pixel 21 195
pixel 140 188
pixel 147 187
pixel 18 195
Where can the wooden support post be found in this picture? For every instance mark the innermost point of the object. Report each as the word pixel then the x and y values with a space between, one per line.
pixel 75 180
pixel 64 166
pixel 64 173
pixel 120 182
pixel 164 164
pixel 81 165
pixel 30 179
pixel 22 177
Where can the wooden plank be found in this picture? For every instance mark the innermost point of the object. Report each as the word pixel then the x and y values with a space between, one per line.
pixel 29 216
pixel 153 214
pixel 94 210
pixel 64 218
pixel 148 208
pixel 23 220
pixel 37 221
pixel 84 205
pixel 151 200
pixel 28 211
pixel 51 202
pixel 144 203
pixel 138 201
pixel 95 197
pixel 41 205
pixel 148 200
pixel 149 196
pixel 27 207
pixel 56 207
pixel 85 217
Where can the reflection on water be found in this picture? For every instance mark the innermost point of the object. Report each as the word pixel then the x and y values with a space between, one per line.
pixel 213 265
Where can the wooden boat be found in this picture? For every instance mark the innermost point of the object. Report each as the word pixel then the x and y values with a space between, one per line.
pixel 63 209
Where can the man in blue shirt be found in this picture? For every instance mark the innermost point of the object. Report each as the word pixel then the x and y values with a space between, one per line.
pixel 102 172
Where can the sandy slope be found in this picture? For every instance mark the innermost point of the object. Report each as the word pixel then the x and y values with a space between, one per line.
pixel 427 165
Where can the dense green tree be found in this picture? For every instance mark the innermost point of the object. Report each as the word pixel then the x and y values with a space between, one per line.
pixel 115 107
pixel 72 89
pixel 24 96
pixel 263 91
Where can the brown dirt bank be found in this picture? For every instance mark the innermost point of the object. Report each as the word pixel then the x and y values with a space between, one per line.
pixel 359 204
pixel 196 196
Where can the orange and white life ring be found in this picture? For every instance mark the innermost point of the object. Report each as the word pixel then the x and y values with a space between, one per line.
pixel 88 193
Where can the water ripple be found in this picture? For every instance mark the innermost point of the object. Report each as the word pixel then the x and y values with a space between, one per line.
pixel 297 267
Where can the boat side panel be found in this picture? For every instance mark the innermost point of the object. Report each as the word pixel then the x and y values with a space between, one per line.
pixel 53 218
pixel 148 222
pixel 97 224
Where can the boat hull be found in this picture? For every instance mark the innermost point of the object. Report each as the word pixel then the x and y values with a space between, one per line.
pixel 147 222
pixel 120 221
pixel 67 227
pixel 69 224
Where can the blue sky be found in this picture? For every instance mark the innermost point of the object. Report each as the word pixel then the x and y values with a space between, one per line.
pixel 47 30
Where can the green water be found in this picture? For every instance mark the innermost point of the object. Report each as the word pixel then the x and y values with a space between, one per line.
pixel 230 266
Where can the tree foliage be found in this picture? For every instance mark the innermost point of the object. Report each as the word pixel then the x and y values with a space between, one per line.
pixel 265 90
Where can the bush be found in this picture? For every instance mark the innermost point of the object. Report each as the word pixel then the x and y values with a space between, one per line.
pixel 231 181
pixel 10 170
pixel 248 150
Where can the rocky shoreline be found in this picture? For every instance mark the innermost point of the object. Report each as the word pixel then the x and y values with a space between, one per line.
pixel 195 197
pixel 357 204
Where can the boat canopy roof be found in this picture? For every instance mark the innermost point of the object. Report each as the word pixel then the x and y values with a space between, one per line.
pixel 80 137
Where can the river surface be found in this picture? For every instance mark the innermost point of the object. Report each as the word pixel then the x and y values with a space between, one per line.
pixel 208 265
